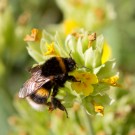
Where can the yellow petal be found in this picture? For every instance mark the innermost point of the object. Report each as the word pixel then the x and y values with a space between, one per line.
pixel 76 86
pixel 91 78
pixel 99 109
pixel 84 86
pixel 87 91
pixel 106 53
pixel 112 81
pixel 86 77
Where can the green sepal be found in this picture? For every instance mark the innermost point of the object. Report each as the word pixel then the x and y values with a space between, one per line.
pixel 60 46
pixel 85 42
pixel 67 94
pixel 98 49
pixel 43 46
pixel 92 56
pixel 87 103
pixel 107 70
pixel 75 47
pixel 37 56
pixel 100 88
pixel 89 58
pixel 102 99
pixel 47 36
pixel 69 100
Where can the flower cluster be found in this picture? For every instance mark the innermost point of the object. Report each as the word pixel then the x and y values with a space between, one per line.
pixel 91 15
pixel 95 71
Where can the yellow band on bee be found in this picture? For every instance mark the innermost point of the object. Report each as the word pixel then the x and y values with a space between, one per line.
pixel 42 92
pixel 61 63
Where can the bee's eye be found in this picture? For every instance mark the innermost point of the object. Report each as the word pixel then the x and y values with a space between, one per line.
pixel 71 65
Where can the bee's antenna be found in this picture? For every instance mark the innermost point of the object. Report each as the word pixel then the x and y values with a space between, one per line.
pixel 85 67
pixel 82 67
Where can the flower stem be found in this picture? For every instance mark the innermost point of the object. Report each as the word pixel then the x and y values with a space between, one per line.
pixel 88 123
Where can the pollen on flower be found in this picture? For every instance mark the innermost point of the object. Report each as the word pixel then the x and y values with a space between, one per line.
pixel 99 108
pixel 85 83
pixel 50 49
pixel 34 36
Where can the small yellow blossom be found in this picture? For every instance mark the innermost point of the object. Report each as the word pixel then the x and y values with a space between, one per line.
pixel 99 108
pixel 76 3
pixel 100 14
pixel 106 53
pixel 112 81
pixel 50 49
pixel 69 26
pixel 84 84
pixel 34 36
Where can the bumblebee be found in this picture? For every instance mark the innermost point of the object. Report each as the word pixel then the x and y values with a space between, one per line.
pixel 45 81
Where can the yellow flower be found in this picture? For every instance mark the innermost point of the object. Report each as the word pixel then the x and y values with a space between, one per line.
pixel 84 84
pixel 50 49
pixel 69 26
pixel 112 81
pixel 106 53
pixel 99 108
pixel 34 36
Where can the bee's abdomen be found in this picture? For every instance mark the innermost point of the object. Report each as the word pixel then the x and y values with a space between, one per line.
pixel 38 99
pixel 40 96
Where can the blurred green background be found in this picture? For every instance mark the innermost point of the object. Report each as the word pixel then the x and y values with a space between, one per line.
pixel 115 19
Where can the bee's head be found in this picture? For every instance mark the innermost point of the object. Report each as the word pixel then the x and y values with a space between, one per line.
pixel 70 64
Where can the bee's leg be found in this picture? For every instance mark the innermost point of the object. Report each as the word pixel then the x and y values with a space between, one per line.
pixel 72 78
pixel 55 91
pixel 57 104
pixel 51 105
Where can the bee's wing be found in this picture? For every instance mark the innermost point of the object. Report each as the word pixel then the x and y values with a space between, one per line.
pixel 35 70
pixel 31 85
